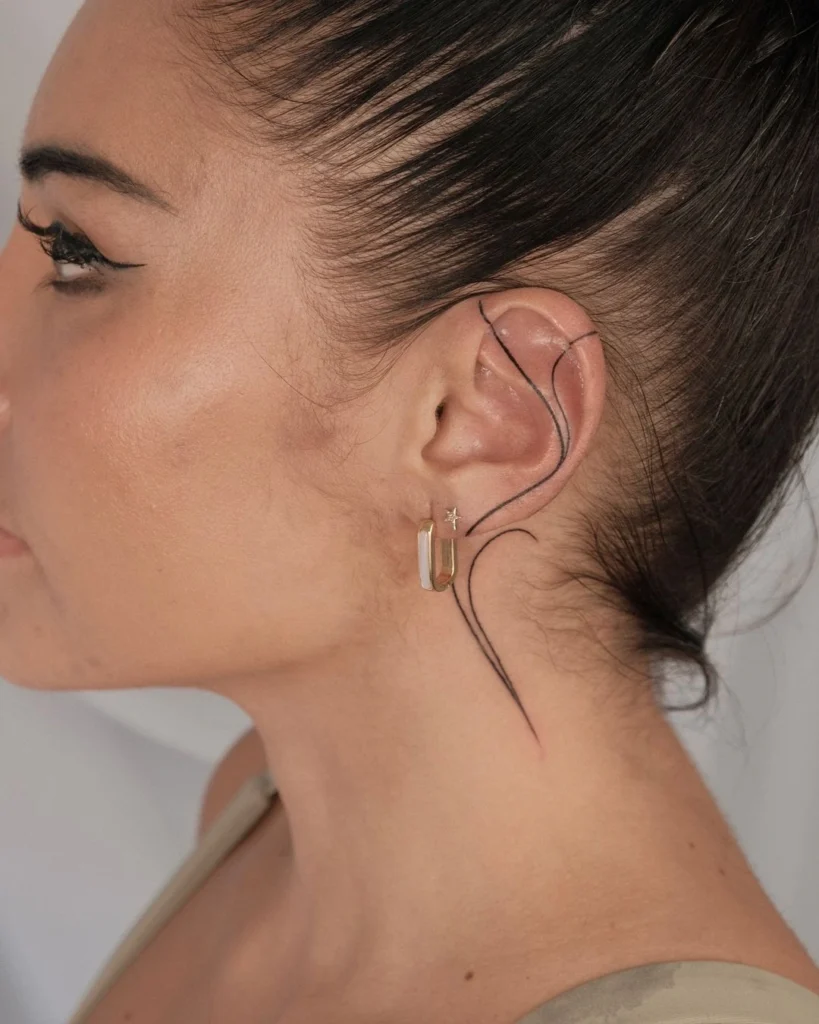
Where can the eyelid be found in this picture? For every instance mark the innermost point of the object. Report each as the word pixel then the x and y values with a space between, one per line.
pixel 58 231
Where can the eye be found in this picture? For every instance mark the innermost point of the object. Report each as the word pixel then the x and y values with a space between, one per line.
pixel 73 255
pixel 75 277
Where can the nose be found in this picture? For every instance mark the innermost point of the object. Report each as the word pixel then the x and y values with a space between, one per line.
pixel 12 236
pixel 6 256
pixel 15 284
pixel 12 294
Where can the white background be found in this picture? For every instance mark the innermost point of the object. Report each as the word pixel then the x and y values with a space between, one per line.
pixel 99 793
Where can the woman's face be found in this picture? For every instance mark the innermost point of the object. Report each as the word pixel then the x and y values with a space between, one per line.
pixel 188 502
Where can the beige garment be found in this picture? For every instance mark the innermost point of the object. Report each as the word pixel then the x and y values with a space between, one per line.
pixel 682 992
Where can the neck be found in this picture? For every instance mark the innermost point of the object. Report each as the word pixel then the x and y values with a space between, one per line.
pixel 440 854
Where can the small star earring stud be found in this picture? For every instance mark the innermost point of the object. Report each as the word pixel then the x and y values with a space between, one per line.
pixel 453 518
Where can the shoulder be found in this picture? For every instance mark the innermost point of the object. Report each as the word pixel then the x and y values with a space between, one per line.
pixel 244 759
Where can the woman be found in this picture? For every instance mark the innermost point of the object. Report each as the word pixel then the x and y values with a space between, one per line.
pixel 411 373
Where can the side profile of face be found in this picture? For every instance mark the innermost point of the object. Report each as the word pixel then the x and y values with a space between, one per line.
pixel 201 495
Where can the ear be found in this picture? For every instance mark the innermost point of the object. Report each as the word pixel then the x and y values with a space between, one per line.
pixel 522 388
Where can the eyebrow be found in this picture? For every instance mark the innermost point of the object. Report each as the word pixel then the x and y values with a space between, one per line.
pixel 36 162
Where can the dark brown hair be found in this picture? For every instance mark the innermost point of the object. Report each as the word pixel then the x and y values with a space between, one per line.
pixel 657 161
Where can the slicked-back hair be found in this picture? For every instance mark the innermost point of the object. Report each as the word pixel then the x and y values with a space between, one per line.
pixel 659 161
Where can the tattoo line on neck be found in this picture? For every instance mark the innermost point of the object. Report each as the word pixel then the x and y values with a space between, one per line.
pixel 565 442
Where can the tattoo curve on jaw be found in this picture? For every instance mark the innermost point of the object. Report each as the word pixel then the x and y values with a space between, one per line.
pixel 565 442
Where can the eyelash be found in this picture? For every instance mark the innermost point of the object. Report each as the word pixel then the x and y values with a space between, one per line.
pixel 64 246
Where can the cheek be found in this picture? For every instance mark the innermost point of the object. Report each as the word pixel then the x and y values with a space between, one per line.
pixel 175 534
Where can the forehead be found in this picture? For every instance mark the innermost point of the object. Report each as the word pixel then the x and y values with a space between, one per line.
pixel 118 85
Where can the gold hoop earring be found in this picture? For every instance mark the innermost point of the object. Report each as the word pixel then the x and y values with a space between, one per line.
pixel 427 559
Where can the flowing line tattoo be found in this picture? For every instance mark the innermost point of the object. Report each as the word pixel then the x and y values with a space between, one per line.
pixel 565 442
pixel 482 639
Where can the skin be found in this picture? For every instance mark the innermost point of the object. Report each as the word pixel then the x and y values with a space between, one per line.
pixel 207 503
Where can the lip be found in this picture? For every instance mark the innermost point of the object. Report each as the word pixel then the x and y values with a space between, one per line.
pixel 10 544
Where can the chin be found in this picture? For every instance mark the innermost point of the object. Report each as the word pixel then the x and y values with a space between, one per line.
pixel 32 665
